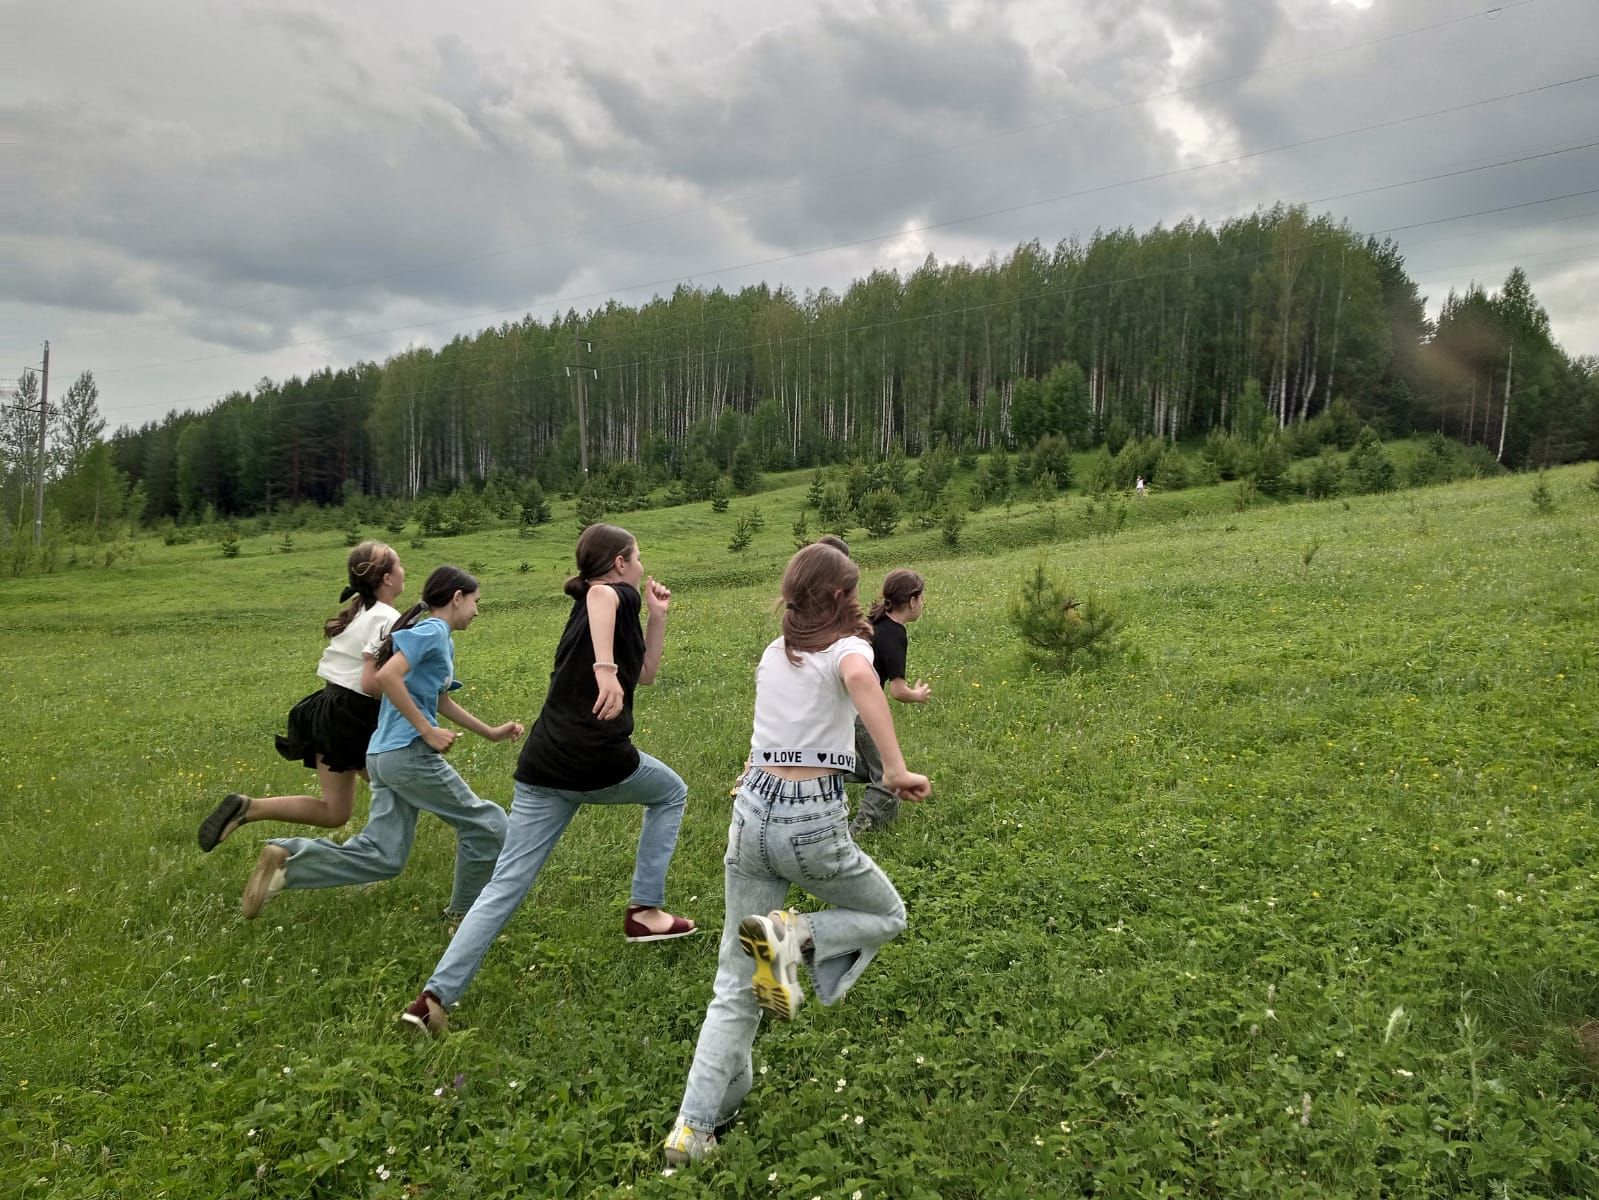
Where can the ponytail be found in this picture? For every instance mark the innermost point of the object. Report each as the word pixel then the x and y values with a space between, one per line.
pixel 438 591
pixel 596 553
pixel 367 565
pixel 900 587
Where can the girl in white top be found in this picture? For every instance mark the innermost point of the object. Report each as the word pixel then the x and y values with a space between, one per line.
pixel 329 729
pixel 790 825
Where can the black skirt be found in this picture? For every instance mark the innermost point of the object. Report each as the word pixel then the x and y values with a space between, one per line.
pixel 335 724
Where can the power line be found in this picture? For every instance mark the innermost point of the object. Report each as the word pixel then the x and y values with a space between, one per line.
pixel 871 326
pixel 1489 13
pixel 1006 210
pixel 552 347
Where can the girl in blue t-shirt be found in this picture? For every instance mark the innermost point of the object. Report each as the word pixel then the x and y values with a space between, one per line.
pixel 415 671
pixel 790 827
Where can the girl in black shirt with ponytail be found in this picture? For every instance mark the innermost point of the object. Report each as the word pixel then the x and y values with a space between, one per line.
pixel 580 751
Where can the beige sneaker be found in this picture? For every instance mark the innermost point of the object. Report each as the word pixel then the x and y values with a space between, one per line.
pixel 266 880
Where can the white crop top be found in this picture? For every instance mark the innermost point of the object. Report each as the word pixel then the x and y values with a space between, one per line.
pixel 341 661
pixel 803 714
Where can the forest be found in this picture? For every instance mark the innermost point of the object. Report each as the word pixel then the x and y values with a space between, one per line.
pixel 1263 322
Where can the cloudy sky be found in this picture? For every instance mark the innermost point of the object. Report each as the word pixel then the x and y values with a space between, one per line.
pixel 198 194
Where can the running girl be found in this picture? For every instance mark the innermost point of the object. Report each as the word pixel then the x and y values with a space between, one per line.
pixel 405 760
pixel 329 729
pixel 790 826
pixel 901 603
pixel 581 752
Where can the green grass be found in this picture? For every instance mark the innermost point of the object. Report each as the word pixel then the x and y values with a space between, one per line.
pixel 1154 905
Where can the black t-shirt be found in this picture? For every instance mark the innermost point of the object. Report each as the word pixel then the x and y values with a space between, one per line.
pixel 888 648
pixel 569 747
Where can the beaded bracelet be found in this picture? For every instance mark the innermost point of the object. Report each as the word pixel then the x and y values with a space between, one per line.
pixel 609 665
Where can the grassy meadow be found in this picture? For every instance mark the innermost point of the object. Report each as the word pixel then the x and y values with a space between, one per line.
pixel 1296 895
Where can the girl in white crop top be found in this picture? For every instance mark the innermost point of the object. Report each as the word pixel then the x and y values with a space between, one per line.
pixel 328 730
pixel 790 825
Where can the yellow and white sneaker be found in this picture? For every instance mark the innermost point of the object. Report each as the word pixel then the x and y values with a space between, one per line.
pixel 685 1144
pixel 773 941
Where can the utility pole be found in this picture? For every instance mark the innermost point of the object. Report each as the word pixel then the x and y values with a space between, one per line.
pixel 582 370
pixel 44 421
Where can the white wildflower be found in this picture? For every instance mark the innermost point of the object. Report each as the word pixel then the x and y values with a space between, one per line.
pixel 1395 1020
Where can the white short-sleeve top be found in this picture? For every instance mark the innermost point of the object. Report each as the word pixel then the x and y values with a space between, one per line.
pixel 341 661
pixel 804 716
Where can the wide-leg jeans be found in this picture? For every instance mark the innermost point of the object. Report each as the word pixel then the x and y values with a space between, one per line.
pixel 405 782
pixel 785 832
pixel 539 816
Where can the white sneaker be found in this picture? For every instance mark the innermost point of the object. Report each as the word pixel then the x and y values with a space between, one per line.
pixel 686 1144
pixel 773 941
pixel 266 880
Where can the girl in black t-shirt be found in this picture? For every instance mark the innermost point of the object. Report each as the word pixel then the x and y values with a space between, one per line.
pixel 901 603
pixel 581 751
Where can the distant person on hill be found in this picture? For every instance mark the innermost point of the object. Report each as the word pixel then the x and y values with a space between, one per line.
pixel 899 605
pixel 415 671
pixel 581 752
pixel 791 826
pixel 1138 486
pixel 329 729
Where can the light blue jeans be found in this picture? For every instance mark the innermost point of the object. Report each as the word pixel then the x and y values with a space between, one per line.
pixel 539 815
pixel 414 779
pixel 783 833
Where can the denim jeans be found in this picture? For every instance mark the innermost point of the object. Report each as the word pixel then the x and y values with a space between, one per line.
pixel 538 817
pixel 879 806
pixel 405 782
pixel 785 832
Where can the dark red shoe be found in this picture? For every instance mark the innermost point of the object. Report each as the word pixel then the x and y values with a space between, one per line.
pixel 637 931
pixel 426 1015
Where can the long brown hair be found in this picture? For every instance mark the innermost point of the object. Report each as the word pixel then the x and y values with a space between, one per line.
pixel 597 548
pixel 900 587
pixel 438 591
pixel 819 601
pixel 367 565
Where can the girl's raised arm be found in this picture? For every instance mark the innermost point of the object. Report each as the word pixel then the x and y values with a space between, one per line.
pixel 602 603
pixel 450 708
pixel 391 682
pixel 867 693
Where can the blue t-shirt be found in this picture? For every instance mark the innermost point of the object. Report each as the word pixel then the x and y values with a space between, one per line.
pixel 430 654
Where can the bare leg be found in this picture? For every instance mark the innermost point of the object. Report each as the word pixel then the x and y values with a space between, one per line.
pixel 330 810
